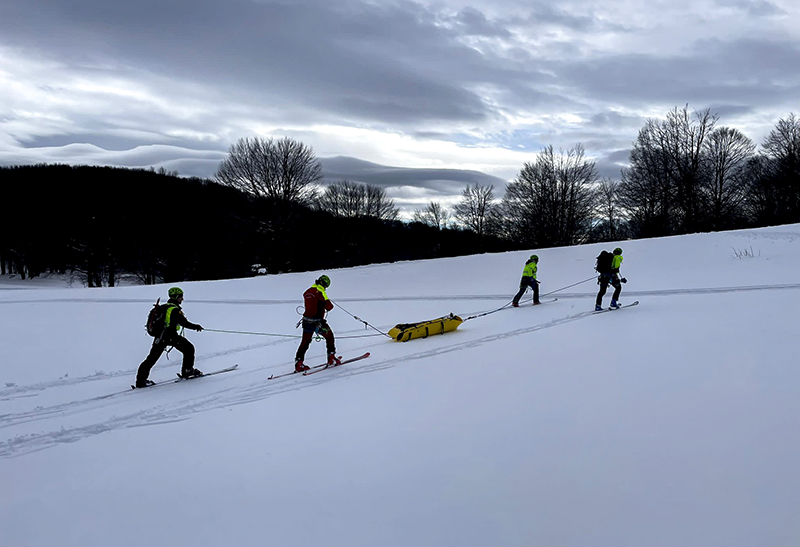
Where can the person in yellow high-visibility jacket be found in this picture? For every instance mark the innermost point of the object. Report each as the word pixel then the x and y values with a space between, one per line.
pixel 528 280
pixel 170 335
pixel 609 273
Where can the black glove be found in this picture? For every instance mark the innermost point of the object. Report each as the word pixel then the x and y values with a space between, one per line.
pixel 624 280
pixel 198 328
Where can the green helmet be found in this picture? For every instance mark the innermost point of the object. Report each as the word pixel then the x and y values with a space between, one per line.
pixel 175 292
pixel 618 251
pixel 324 280
pixel 535 258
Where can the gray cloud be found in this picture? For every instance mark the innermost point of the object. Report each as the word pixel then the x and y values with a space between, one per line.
pixel 440 180
pixel 758 8
pixel 356 60
pixel 443 87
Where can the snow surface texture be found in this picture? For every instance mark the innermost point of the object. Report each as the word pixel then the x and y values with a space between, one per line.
pixel 672 423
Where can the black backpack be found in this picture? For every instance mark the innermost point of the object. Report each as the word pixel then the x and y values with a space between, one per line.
pixel 603 264
pixel 155 319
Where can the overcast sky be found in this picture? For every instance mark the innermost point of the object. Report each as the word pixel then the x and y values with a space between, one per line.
pixel 467 90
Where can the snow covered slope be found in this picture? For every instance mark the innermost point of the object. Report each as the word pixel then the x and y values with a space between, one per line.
pixel 673 423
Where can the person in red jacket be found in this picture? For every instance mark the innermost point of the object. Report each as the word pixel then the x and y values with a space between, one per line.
pixel 316 303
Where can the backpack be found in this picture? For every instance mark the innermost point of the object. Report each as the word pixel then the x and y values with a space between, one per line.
pixel 155 319
pixel 603 264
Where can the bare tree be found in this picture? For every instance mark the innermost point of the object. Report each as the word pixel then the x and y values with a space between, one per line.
pixel 782 147
pixel 608 209
pixel 727 153
pixel 662 187
pixel 762 204
pixel 344 199
pixel 476 208
pixel 520 211
pixel 379 205
pixel 685 141
pixel 350 199
pixel 284 170
pixel 433 215
pixel 551 201
pixel 646 192
pixel 784 140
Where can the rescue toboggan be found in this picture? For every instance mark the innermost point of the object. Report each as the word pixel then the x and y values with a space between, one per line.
pixel 441 325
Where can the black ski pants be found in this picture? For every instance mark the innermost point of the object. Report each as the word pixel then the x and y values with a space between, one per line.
pixel 179 343
pixel 320 327
pixel 604 280
pixel 524 283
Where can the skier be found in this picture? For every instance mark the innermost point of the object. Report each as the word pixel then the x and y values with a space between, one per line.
pixel 609 273
pixel 174 319
pixel 528 280
pixel 316 303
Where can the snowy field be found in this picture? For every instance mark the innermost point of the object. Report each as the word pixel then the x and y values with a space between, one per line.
pixel 672 423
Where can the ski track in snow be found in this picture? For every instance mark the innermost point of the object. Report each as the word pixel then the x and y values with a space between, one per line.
pixel 226 395
pixel 506 296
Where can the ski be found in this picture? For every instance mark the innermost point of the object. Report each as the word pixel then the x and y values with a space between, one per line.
pixel 632 304
pixel 539 304
pixel 276 376
pixel 179 379
pixel 316 368
pixel 326 366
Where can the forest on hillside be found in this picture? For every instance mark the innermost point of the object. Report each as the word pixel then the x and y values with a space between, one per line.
pixel 102 223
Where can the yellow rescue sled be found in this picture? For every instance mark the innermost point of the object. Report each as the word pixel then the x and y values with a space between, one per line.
pixel 409 331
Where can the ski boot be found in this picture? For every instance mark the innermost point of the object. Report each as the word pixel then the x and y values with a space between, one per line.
pixel 598 308
pixel 615 305
pixel 536 302
pixel 515 304
pixel 300 367
pixel 146 383
pixel 190 373
pixel 333 360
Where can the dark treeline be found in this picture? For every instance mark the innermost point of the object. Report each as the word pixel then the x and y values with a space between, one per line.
pixel 102 223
